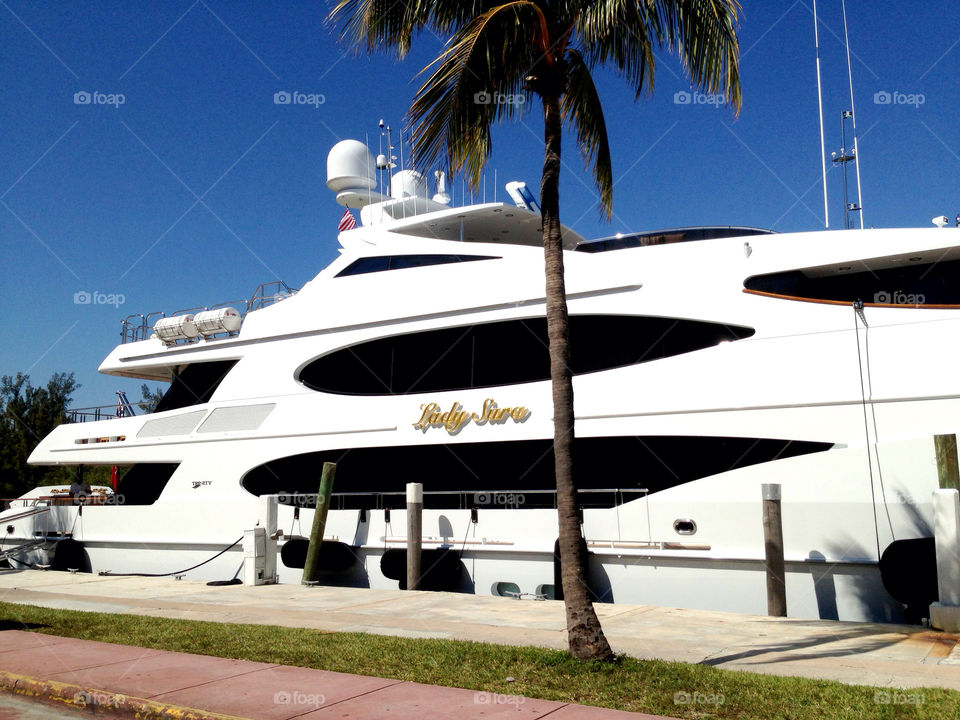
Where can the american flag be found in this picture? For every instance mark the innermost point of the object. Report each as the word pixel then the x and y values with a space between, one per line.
pixel 346 222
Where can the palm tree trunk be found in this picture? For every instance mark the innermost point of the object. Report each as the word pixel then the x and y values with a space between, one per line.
pixel 585 636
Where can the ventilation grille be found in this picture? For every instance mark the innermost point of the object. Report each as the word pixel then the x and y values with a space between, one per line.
pixel 241 417
pixel 178 425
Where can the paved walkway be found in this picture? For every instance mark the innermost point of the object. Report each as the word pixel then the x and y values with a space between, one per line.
pixel 857 653
pixel 124 680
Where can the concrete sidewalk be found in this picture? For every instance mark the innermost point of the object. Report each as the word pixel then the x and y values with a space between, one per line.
pixel 894 656
pixel 123 681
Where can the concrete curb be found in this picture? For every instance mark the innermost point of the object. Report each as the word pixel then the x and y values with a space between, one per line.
pixel 101 701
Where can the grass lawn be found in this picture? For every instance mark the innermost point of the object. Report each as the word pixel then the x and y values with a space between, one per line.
pixel 663 688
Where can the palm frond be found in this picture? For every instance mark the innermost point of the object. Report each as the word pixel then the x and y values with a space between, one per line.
pixel 391 24
pixel 485 63
pixel 702 33
pixel 581 107
pixel 707 45
pixel 623 34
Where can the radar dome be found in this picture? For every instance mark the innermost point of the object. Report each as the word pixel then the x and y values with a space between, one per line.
pixel 408 183
pixel 350 167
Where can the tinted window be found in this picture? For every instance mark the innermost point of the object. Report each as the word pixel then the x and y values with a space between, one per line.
pixel 486 469
pixel 143 482
pixel 666 237
pixel 194 384
pixel 505 353
pixel 908 284
pixel 400 262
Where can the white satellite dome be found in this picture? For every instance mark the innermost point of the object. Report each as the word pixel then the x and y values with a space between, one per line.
pixel 408 183
pixel 351 174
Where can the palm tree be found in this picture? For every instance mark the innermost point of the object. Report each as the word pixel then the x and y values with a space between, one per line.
pixel 500 56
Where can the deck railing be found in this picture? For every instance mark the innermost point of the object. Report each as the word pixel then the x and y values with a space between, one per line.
pixel 139 326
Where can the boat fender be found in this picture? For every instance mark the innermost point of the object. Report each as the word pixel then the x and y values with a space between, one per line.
pixel 69 554
pixel 908 570
pixel 335 557
pixel 442 568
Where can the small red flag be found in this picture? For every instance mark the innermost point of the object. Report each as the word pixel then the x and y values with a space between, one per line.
pixel 346 222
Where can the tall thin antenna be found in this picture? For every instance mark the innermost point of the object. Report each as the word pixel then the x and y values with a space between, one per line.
pixel 823 148
pixel 853 114
pixel 369 189
pixel 402 167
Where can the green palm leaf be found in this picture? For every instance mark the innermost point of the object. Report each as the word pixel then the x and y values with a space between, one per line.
pixel 581 107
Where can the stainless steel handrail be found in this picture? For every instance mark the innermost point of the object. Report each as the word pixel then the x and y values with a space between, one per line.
pixel 27 513
pixel 139 326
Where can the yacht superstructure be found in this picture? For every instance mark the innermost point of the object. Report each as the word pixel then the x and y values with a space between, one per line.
pixel 707 361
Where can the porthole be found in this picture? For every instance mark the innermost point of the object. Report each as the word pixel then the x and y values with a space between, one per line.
pixel 546 592
pixel 506 589
pixel 685 526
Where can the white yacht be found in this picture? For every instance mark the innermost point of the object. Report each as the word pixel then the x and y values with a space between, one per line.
pixel 707 361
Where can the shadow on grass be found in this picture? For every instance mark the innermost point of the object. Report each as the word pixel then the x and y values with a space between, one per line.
pixel 17 625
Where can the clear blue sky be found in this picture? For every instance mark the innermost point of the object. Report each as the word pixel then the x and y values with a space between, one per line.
pixel 198 186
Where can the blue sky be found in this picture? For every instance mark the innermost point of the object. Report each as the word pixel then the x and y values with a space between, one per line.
pixel 198 187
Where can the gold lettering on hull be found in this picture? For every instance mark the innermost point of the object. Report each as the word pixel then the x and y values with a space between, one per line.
pixel 454 419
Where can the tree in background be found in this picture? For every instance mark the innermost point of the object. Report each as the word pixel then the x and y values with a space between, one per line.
pixel 27 415
pixel 149 399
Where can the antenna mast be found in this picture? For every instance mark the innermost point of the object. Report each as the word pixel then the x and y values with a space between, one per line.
pixel 823 148
pixel 842 159
pixel 853 116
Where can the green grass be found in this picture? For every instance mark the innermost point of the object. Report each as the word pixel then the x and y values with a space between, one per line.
pixel 629 684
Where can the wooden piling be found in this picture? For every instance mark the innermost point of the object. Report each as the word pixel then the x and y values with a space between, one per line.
pixel 414 533
pixel 311 565
pixel 773 551
pixel 947 470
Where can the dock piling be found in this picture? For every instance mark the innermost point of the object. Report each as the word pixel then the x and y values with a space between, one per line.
pixel 414 533
pixel 947 470
pixel 310 566
pixel 945 613
pixel 773 551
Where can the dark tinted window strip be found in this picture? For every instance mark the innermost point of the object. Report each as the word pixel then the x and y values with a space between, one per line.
pixel 144 482
pixel 194 384
pixel 484 472
pixel 909 284
pixel 400 262
pixel 505 353
pixel 666 237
